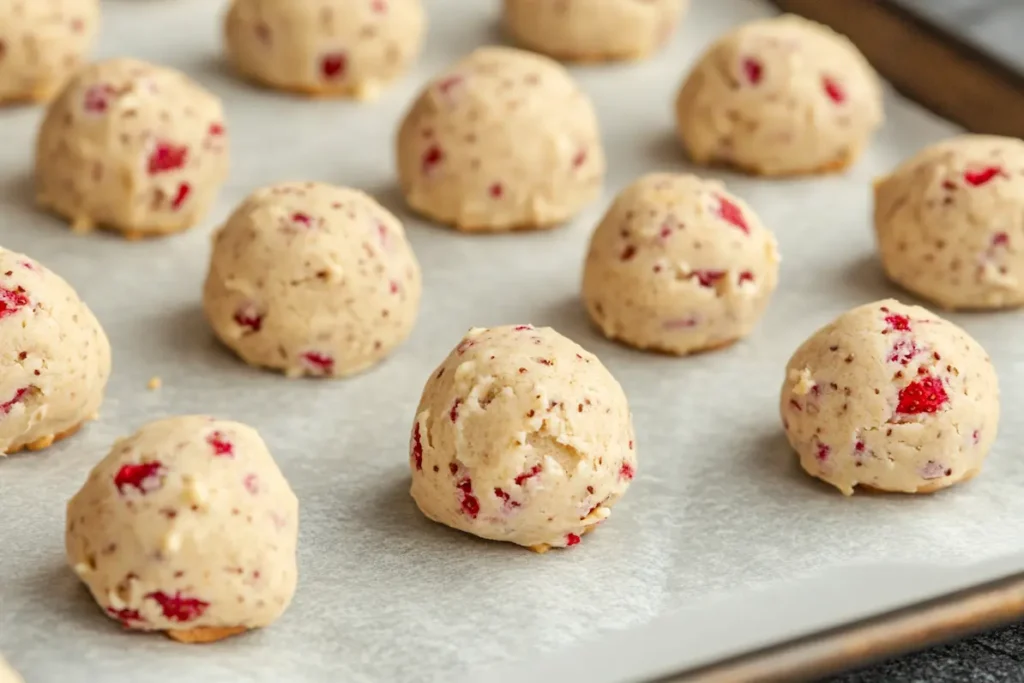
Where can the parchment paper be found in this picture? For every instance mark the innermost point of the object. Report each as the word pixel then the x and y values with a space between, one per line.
pixel 718 506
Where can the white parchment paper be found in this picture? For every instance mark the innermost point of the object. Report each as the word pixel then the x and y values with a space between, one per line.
pixel 718 506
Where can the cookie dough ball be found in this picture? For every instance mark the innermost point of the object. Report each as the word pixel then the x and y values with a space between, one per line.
pixel 593 30
pixel 312 279
pixel 950 223
pixel 324 47
pixel 187 527
pixel 782 96
pixel 890 397
pixel 132 147
pixel 521 436
pixel 503 140
pixel 679 265
pixel 43 42
pixel 54 357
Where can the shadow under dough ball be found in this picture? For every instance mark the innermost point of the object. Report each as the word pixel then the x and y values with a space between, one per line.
pixel 777 97
pixel 133 147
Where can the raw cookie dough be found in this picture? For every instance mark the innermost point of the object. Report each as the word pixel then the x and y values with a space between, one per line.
pixel 782 96
pixel 133 147
pixel 54 357
pixel 312 279
pixel 521 436
pixel 890 397
pixel 679 265
pixel 8 674
pixel 187 527
pixel 43 42
pixel 950 222
pixel 593 30
pixel 503 140
pixel 324 47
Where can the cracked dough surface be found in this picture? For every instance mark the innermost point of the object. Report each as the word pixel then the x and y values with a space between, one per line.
pixel 312 279
pixel 54 356
pixel 324 47
pixel 521 436
pixel 502 140
pixel 679 265
pixel 780 96
pixel 950 222
pixel 890 397
pixel 187 524
pixel 131 146
pixel 593 30
pixel 43 42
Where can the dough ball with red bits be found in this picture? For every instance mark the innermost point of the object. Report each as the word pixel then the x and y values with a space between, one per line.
pixel 324 47
pixel 890 397
pixel 187 527
pixel 593 30
pixel 781 96
pixel 521 436
pixel 54 357
pixel 43 42
pixel 133 147
pixel 311 279
pixel 950 223
pixel 503 140
pixel 679 265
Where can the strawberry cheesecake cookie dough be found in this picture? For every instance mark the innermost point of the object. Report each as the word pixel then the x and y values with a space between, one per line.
pixel 43 42
pixel 781 96
pixel 503 140
pixel 593 30
pixel 521 436
pixel 679 265
pixel 324 47
pixel 312 279
pixel 950 223
pixel 54 357
pixel 132 147
pixel 890 397
pixel 187 527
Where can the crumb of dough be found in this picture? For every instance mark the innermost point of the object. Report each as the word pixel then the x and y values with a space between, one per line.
pixel 154 383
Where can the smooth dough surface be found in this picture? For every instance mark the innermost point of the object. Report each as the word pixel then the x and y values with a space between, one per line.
pixel 312 279
pixel 43 42
pixel 593 30
pixel 54 356
pixel 133 147
pixel 324 47
pixel 502 140
pixel 679 265
pixel 187 525
pixel 890 397
pixel 950 222
pixel 522 436
pixel 781 96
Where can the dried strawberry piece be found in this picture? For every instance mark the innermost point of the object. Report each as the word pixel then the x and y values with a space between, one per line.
pixel 222 447
pixel 416 447
pixel 166 156
pixel 333 65
pixel 496 190
pixel 833 89
pixel 925 395
pixel 506 497
pixel 141 476
pixel 730 212
pixel 464 345
pixel 216 129
pixel 184 190
pixel 753 70
pixel 903 351
pixel 859 447
pixel 746 276
pixel 12 301
pixel 520 328
pixel 571 539
pixel 445 85
pixel 823 452
pixel 125 616
pixel 1000 239
pixel 981 176
pixel 532 472
pixel 178 608
pixel 97 98
pixel 470 505
pixel 579 159
pixel 6 406
pixel 432 157
pixel 707 278
pixel 251 483
pixel 627 471
pixel 454 412
pixel 249 318
pixel 897 322
pixel 319 361
pixel 379 6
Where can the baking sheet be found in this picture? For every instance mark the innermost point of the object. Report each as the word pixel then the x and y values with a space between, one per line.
pixel 719 530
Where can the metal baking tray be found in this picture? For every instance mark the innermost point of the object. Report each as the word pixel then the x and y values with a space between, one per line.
pixel 723 562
